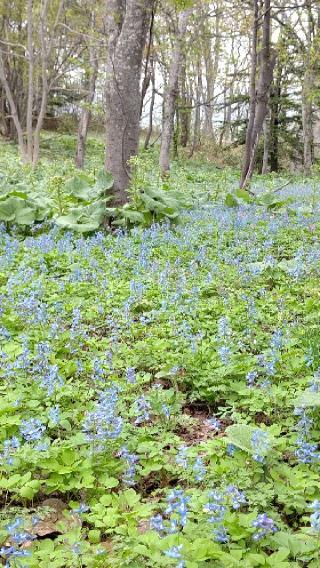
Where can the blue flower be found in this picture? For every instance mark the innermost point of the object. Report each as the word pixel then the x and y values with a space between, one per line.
pixel 199 469
pixel 156 524
pixel 131 460
pixel 174 552
pixel 265 525
pixel 143 409
pixel 131 375
pixel 260 444
pixel 32 429
pixel 315 517
pixel 54 414
pixel 182 457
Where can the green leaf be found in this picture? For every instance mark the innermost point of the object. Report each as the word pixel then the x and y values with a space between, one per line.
pixel 240 435
pixel 94 536
pixel 308 399
pixel 230 200
pixel 243 194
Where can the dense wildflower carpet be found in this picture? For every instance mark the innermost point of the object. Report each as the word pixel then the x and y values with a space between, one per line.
pixel 160 393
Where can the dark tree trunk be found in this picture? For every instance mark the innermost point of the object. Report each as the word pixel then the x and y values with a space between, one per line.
pixel 275 122
pixel 127 23
pixel 258 97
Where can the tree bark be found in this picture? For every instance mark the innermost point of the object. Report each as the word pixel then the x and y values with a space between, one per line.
pixel 152 103
pixel 275 121
pixel 197 113
pixel 86 111
pixel 266 146
pixel 172 95
pixel 127 25
pixel 307 105
pixel 185 112
pixel 30 82
pixel 211 68
pixel 259 101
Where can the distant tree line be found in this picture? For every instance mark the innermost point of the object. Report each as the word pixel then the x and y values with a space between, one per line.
pixel 215 73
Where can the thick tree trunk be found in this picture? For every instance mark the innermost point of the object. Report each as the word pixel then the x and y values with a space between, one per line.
pixel 172 95
pixel 86 112
pixel 127 25
pixel 260 107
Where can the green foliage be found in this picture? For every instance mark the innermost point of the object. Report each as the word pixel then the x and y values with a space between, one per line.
pixel 165 328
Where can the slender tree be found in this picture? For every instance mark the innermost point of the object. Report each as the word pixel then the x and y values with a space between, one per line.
pixel 172 93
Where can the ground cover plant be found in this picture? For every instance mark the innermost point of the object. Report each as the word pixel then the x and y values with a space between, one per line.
pixel 160 384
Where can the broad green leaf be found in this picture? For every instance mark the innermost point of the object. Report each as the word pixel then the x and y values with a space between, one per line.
pixel 230 200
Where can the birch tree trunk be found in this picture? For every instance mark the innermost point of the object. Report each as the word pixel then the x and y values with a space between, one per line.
pixel 127 24
pixel 172 95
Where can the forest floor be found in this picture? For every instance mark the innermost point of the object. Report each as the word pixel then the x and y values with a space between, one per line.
pixel 160 387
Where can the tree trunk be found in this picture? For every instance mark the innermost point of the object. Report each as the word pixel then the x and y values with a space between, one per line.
pixel 127 25
pixel 307 106
pixel 86 111
pixel 152 103
pixel 197 117
pixel 266 146
pixel 211 68
pixel 253 102
pixel 184 111
pixel 30 82
pixel 172 95
pixel 260 106
pixel 13 110
pixel 275 122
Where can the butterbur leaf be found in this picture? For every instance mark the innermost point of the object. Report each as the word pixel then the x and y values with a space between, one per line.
pixel 230 200
pixel 308 399
pixel 104 181
pixel 78 187
pixel 240 435
pixel 243 194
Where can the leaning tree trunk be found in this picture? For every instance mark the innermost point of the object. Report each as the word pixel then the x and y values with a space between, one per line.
pixel 262 96
pixel 172 95
pixel 86 111
pixel 127 25
pixel 253 101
